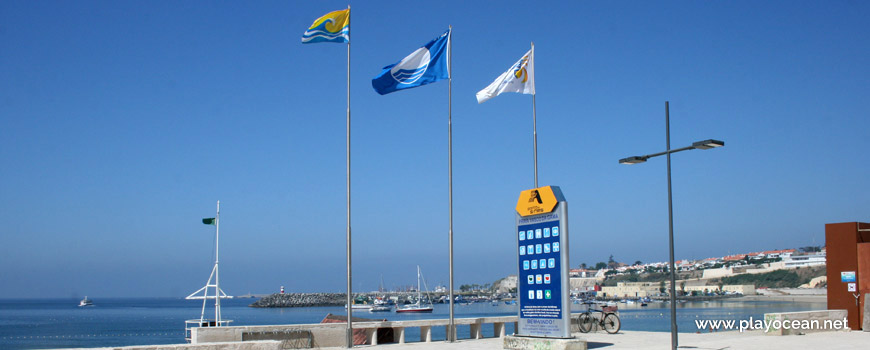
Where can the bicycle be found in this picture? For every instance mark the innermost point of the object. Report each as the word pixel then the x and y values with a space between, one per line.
pixel 607 320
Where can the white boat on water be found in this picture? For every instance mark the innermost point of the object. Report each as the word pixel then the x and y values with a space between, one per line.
pixel 380 308
pixel 86 302
pixel 418 307
pixel 360 303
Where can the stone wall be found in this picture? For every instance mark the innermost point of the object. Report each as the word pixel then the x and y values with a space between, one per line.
pixel 251 345
pixel 796 323
pixel 334 334
pixel 322 335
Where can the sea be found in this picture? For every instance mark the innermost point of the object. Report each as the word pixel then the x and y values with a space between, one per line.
pixel 61 323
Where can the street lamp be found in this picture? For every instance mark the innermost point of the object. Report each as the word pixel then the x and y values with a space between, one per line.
pixel 706 144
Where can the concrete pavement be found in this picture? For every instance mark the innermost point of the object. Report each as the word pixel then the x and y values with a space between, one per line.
pixel 753 340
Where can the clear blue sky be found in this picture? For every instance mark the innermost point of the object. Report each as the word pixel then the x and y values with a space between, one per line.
pixel 121 124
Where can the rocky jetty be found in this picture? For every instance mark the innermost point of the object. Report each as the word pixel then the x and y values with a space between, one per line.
pixel 302 300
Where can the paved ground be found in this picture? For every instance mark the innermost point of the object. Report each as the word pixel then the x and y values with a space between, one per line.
pixel 798 298
pixel 662 340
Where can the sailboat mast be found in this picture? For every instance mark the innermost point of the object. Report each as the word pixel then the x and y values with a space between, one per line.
pixel 419 294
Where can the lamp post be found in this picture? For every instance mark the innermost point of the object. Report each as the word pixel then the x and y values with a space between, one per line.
pixel 706 144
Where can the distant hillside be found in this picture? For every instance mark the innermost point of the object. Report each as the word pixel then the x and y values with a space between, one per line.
pixel 779 278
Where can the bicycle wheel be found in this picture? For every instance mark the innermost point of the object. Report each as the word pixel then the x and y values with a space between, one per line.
pixel 585 324
pixel 611 323
pixel 575 324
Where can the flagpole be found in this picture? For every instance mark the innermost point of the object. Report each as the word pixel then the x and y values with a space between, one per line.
pixel 349 292
pixel 217 283
pixel 535 125
pixel 451 328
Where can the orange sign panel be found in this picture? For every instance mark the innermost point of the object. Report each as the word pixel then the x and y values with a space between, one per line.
pixel 536 201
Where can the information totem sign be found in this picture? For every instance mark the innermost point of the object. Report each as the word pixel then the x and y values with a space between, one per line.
pixel 542 284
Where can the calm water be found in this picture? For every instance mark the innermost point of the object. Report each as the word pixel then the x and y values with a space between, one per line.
pixel 60 323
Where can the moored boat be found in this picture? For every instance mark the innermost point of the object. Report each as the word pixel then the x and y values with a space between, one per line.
pixel 380 308
pixel 415 308
pixel 360 303
pixel 419 306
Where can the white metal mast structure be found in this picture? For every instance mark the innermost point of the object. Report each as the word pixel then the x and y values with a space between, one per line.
pixel 204 291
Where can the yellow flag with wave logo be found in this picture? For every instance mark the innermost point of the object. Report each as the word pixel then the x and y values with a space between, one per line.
pixel 333 27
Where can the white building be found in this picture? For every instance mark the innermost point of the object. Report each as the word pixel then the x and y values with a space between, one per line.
pixel 794 261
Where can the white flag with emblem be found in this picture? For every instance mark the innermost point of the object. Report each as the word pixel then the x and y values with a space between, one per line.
pixel 519 78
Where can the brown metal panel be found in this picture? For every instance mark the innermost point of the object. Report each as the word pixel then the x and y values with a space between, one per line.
pixel 863 232
pixel 841 242
pixel 863 276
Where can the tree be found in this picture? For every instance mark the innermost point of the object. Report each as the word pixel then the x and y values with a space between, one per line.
pixel 611 263
pixel 583 266
pixel 600 265
pixel 638 263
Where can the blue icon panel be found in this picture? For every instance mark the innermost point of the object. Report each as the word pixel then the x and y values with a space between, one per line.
pixel 540 265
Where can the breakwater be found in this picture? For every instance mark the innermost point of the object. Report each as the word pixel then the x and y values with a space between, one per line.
pixel 339 299
pixel 302 300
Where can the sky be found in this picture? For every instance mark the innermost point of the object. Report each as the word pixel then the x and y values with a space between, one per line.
pixel 123 123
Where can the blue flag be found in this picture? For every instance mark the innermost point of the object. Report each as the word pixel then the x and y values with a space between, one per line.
pixel 427 64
